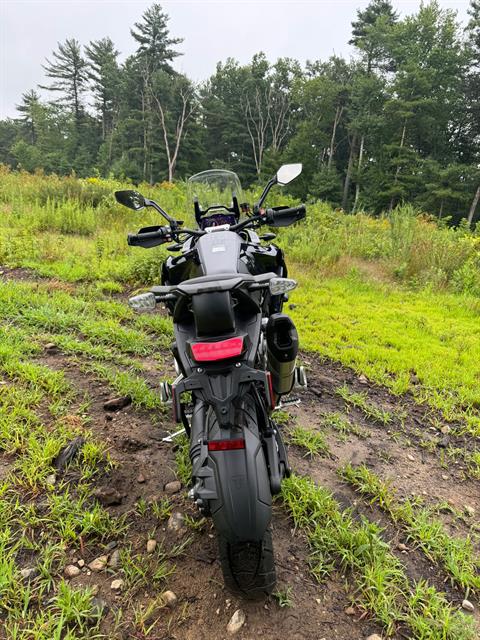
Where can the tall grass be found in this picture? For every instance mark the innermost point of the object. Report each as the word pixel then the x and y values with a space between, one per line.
pixel 72 227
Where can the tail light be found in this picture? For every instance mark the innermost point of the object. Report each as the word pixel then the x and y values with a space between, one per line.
pixel 220 350
pixel 226 445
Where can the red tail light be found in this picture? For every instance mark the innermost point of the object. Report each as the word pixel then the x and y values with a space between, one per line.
pixel 210 351
pixel 226 445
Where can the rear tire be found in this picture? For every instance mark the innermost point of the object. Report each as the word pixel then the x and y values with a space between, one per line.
pixel 248 567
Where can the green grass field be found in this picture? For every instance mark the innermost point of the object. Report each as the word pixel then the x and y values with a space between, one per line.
pixel 395 300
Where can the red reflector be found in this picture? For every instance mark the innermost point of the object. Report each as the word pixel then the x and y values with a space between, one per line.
pixel 270 390
pixel 226 445
pixel 208 351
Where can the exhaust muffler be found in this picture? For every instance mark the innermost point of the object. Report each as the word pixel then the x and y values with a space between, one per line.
pixel 282 349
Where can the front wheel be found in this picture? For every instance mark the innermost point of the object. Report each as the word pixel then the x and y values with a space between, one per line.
pixel 248 567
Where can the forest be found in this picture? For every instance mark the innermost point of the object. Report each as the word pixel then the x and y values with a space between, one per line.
pixel 399 122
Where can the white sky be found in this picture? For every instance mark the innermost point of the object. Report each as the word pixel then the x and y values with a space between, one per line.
pixel 212 31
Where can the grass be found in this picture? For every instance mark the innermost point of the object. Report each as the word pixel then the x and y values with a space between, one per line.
pixel 380 581
pixel 311 441
pixel 342 425
pixel 183 465
pixel 456 555
pixel 394 298
pixel 368 408
pixel 418 341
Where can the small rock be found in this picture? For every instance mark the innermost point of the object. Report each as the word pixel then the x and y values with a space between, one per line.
pixel 470 511
pixel 374 636
pixel 81 563
pixel 151 546
pixel 176 523
pixel 71 571
pixel 362 379
pixel 114 559
pixel 169 599
pixel 444 476
pixel 108 496
pixel 50 480
pixel 444 442
pixel 95 589
pixel 51 347
pixel 98 564
pixel 29 573
pixel 115 404
pixel 173 487
pixel 117 585
pixel 445 429
pixel 236 622
pixel 468 606
pixel 412 459
pixel 402 547
pixel 350 611
pixel 141 478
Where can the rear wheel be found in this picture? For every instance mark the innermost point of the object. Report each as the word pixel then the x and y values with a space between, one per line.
pixel 248 567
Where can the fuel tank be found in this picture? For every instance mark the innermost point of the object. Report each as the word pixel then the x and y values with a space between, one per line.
pixel 219 252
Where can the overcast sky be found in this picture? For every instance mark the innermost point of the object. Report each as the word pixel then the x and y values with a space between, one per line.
pixel 213 30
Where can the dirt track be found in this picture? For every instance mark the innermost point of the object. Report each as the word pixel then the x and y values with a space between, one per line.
pixel 318 611
pixel 144 465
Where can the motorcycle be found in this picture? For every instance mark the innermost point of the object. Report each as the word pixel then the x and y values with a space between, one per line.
pixel 235 355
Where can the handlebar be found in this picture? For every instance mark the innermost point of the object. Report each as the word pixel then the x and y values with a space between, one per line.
pixel 149 238
pixel 286 216
pixel 274 217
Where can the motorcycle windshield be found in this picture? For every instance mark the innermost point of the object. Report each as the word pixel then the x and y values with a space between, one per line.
pixel 215 188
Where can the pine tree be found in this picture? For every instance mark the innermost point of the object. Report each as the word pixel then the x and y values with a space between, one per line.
pixel 30 108
pixel 69 71
pixel 155 44
pixel 370 32
pixel 104 75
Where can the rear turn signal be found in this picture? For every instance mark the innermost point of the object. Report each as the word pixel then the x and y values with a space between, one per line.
pixel 226 445
pixel 211 351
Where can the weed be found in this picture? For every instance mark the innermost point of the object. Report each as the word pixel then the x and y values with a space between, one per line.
pixel 361 401
pixel 313 442
pixel 182 461
pixel 455 554
pixel 383 587
pixel 284 597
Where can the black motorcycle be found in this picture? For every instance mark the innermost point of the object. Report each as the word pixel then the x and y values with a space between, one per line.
pixel 235 355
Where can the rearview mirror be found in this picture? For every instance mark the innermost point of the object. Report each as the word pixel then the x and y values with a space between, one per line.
pixel 288 172
pixel 131 199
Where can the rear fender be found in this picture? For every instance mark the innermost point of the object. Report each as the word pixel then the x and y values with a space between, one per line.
pixel 235 483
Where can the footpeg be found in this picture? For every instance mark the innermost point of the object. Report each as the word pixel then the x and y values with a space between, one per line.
pixel 288 402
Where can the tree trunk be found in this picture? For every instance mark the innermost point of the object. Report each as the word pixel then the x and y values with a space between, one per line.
pixel 348 177
pixel 338 115
pixel 145 144
pixel 397 172
pixel 440 213
pixel 473 207
pixel 359 168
